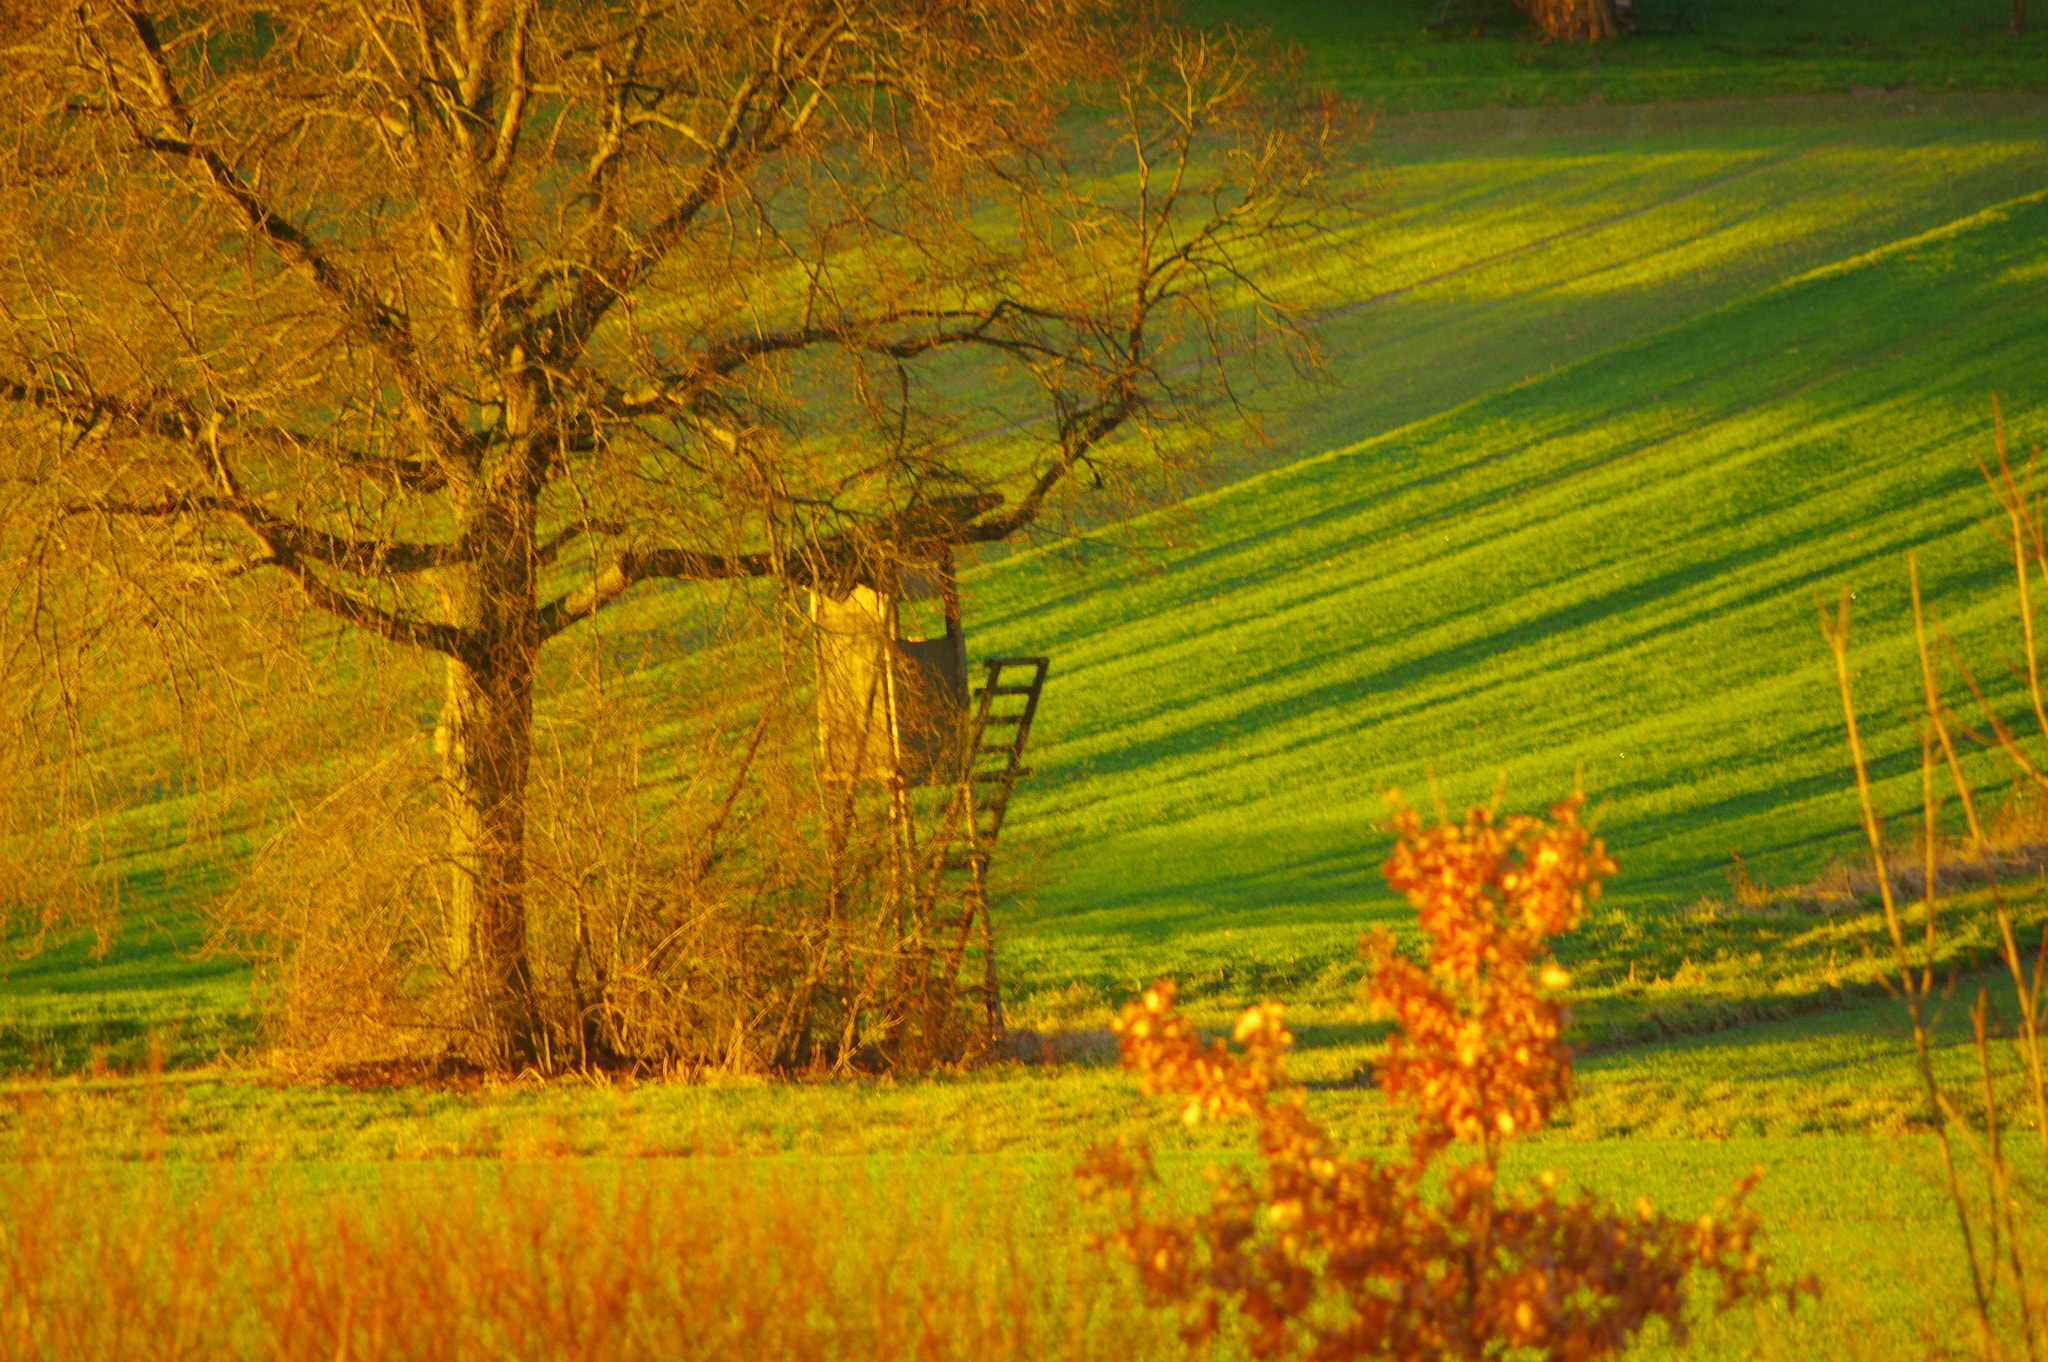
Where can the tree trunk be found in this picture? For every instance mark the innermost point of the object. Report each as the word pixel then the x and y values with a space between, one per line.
pixel 485 742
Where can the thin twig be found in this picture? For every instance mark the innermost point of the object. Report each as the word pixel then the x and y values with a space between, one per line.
pixel 1931 696
pixel 1914 991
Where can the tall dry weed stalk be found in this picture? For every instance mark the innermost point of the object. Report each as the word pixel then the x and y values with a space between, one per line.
pixel 1334 1257
pixel 1998 1199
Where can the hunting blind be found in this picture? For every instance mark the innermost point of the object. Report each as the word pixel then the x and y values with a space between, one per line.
pixel 896 710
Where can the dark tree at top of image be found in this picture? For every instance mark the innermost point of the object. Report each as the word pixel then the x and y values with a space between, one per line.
pixel 458 320
pixel 1580 20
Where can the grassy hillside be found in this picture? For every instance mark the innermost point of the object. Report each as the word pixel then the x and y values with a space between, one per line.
pixel 1611 563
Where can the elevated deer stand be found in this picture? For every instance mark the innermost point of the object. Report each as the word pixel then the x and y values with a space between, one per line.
pixel 897 711
pixel 889 706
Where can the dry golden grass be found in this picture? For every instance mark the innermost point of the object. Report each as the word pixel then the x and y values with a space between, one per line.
pixel 541 1259
pixel 2014 848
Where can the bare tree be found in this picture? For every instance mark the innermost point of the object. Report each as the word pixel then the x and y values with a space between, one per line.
pixel 1580 20
pixel 459 320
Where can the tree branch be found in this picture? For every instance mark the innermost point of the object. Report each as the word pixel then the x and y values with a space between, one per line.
pixel 683 391
pixel 513 120
pixel 390 624
pixel 179 418
pixel 280 541
pixel 629 568
pixel 1085 431
pixel 386 329
pixel 751 132
pixel 172 419
pixel 361 557
pixel 833 563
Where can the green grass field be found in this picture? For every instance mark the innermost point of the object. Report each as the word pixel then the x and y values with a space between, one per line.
pixel 1623 388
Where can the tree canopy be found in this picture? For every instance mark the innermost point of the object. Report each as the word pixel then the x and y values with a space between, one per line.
pixel 458 320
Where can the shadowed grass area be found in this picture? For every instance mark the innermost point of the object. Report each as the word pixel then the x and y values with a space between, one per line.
pixel 1846 1071
pixel 1518 242
pixel 1433 54
pixel 151 990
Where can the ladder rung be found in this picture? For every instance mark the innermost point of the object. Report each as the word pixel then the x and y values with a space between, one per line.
pixel 957 874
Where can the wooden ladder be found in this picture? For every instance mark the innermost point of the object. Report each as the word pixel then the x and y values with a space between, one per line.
pixel 992 762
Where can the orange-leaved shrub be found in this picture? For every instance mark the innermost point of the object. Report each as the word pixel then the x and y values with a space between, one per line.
pixel 1330 1256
